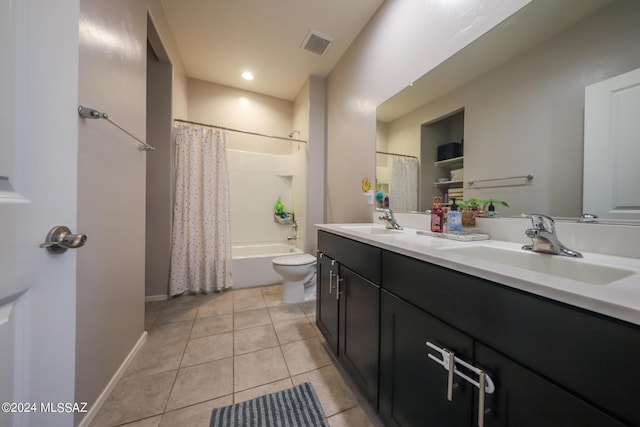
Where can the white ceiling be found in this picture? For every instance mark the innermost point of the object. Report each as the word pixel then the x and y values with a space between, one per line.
pixel 219 39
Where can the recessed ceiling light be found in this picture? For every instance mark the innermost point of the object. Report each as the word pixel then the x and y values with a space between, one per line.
pixel 247 75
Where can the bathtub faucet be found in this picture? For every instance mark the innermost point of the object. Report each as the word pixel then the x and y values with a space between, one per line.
pixel 294 228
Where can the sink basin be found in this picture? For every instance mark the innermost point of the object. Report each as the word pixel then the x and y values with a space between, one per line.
pixel 569 268
pixel 371 229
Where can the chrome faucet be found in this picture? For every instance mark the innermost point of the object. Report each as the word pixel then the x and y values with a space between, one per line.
pixel 544 237
pixel 588 218
pixel 390 220
pixel 294 228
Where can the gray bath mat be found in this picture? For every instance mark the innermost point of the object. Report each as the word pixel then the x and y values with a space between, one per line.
pixel 296 407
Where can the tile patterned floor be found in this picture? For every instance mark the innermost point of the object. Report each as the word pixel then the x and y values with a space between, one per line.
pixel 206 351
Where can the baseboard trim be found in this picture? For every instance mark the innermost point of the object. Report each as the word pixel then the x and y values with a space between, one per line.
pixel 156 298
pixel 114 380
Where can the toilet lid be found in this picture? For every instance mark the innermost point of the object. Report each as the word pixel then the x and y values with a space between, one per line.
pixel 298 259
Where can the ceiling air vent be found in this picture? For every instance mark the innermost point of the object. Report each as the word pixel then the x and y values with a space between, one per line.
pixel 316 42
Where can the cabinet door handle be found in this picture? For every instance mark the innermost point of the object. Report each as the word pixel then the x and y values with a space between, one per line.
pixel 331 281
pixel 450 374
pixel 338 280
pixel 482 382
pixel 449 361
pixel 331 274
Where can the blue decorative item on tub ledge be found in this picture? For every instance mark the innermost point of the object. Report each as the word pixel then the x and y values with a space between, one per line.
pixel 283 218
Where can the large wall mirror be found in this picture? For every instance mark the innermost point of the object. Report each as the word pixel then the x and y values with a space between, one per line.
pixel 513 103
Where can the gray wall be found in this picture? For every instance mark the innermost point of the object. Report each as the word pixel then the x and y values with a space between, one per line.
pixel 404 40
pixel 316 164
pixel 159 175
pixel 111 191
pixel 179 79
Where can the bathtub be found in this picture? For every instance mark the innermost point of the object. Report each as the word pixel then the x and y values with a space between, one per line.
pixel 251 263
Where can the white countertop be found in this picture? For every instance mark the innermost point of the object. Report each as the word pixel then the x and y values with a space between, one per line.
pixel 619 299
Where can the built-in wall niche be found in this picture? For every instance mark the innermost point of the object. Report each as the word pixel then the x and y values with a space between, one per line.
pixel 435 176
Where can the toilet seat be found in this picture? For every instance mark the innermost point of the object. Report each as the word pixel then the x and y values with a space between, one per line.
pixel 298 259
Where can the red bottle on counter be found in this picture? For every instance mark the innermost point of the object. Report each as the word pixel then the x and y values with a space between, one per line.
pixel 437 216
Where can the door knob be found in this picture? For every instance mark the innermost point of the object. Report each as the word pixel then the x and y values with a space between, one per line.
pixel 60 238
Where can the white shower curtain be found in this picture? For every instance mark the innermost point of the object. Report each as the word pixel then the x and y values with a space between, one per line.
pixel 403 187
pixel 201 245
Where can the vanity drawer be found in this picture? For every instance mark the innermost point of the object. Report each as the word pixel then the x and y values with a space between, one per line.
pixel 592 355
pixel 359 257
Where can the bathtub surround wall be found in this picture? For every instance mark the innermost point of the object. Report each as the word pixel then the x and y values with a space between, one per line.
pixel 257 180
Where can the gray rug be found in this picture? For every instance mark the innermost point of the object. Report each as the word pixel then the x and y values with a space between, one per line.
pixel 294 407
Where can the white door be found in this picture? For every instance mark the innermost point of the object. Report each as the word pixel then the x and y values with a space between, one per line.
pixel 38 163
pixel 612 148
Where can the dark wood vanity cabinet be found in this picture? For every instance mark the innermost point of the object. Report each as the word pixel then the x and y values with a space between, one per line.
pixel 347 307
pixel 326 302
pixel 359 331
pixel 413 388
pixel 552 364
pixel 524 399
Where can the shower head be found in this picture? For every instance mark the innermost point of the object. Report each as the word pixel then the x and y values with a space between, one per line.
pixel 292 132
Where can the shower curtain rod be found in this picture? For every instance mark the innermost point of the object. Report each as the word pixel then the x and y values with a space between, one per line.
pixel 395 154
pixel 240 130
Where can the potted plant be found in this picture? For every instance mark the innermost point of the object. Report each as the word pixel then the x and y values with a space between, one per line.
pixel 473 208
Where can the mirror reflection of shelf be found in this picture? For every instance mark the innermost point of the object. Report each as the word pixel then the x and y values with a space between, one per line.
pixel 452 189
pixel 454 163
pixel 449 165
pixel 447 184
pixel 439 139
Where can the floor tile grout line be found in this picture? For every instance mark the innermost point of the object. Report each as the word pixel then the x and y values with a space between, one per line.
pixel 164 411
pixel 233 332
pixel 175 378
pixel 233 348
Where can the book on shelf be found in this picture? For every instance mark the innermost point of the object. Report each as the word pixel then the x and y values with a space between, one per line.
pixel 453 194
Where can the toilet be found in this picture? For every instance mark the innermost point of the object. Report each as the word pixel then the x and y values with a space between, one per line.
pixel 298 277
